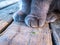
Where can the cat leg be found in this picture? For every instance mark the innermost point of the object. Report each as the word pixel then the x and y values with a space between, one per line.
pixel 54 11
pixel 51 17
pixel 23 11
pixel 38 14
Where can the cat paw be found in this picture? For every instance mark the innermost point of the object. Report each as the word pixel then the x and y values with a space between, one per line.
pixel 31 21
pixel 52 17
pixel 35 21
pixel 19 16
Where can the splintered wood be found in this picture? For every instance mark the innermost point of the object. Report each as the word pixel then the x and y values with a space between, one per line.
pixel 20 34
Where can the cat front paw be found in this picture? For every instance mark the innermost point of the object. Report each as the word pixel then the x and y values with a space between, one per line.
pixel 52 17
pixel 35 21
pixel 31 21
pixel 19 16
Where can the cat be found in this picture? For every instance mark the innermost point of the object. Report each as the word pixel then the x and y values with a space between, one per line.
pixel 24 10
pixel 35 12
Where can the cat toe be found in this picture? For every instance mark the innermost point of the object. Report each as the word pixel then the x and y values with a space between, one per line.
pixel 31 21
pixel 42 21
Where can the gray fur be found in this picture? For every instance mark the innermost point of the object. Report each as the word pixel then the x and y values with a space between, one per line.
pixel 36 11
pixel 24 9
pixel 39 10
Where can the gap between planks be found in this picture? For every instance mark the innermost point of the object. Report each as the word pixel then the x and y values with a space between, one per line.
pixel 4 25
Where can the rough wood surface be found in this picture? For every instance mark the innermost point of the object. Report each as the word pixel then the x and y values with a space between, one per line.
pixel 20 34
pixel 7 3
pixel 56 31
pixel 6 16
pixel 9 34
pixel 3 24
pixel 5 21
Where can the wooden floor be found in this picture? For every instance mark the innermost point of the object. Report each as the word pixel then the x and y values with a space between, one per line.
pixel 13 33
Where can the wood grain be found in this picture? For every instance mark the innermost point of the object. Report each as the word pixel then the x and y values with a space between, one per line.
pixel 9 34
pixel 4 24
pixel 6 16
pixel 7 3
pixel 20 34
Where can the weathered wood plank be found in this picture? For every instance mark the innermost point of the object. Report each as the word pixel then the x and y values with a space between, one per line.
pixel 25 35
pixel 7 3
pixel 33 36
pixel 56 31
pixel 4 24
pixel 6 16
pixel 9 34
pixel 5 21
pixel 10 9
pixel 42 36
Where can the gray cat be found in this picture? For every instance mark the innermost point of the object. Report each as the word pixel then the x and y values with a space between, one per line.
pixel 36 12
